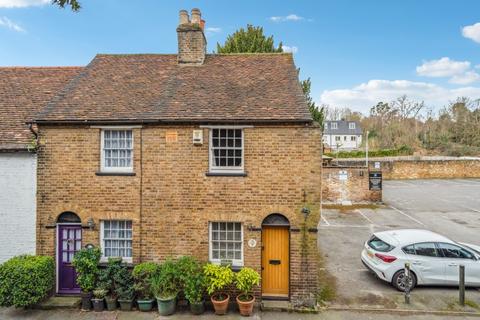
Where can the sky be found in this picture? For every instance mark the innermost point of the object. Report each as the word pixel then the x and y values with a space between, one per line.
pixel 356 53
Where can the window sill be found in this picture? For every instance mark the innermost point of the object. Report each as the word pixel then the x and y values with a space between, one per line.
pixel 101 173
pixel 226 174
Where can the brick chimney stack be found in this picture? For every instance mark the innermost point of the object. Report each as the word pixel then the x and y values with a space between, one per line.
pixel 192 44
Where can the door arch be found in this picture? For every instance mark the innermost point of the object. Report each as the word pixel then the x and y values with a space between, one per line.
pixel 69 241
pixel 276 257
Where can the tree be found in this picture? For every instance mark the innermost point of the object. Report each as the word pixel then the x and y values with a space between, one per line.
pixel 318 114
pixel 74 4
pixel 251 40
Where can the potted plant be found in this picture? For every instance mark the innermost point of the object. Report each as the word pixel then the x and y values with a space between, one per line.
pixel 98 299
pixel 165 284
pixel 194 290
pixel 107 278
pixel 245 279
pixel 86 262
pixel 124 288
pixel 217 279
pixel 142 275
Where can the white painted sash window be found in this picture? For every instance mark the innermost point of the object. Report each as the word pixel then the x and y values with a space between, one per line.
pixel 226 150
pixel 226 243
pixel 117 151
pixel 116 239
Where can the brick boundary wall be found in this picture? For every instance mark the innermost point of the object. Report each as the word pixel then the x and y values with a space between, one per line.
pixel 423 169
pixel 355 189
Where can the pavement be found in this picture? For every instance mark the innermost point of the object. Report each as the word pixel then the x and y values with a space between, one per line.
pixel 10 314
pixel 449 207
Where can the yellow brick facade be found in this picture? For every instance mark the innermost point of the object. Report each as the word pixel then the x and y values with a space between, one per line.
pixel 171 200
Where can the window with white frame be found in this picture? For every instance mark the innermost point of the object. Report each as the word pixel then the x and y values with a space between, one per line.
pixel 117 150
pixel 334 125
pixel 353 138
pixel 338 138
pixel 351 125
pixel 226 243
pixel 226 150
pixel 116 239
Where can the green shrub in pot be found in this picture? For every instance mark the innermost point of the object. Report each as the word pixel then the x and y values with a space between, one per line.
pixel 85 263
pixel 217 278
pixel 124 288
pixel 142 275
pixel 194 290
pixel 98 299
pixel 245 280
pixel 165 286
pixel 107 279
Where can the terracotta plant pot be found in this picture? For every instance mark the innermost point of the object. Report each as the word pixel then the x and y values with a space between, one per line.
pixel 220 306
pixel 86 301
pixel 111 303
pixel 98 305
pixel 246 307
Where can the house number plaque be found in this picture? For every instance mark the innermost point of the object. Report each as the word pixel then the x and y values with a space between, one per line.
pixel 252 243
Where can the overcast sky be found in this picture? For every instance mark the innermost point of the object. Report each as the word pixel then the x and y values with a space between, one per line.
pixel 356 52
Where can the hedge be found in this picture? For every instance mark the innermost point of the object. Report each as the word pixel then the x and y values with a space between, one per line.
pixel 25 280
pixel 402 151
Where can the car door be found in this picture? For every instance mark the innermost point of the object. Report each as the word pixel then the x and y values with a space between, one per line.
pixel 455 256
pixel 428 264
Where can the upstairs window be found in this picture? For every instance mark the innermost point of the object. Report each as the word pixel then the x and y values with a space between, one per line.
pixel 351 125
pixel 226 150
pixel 333 125
pixel 117 151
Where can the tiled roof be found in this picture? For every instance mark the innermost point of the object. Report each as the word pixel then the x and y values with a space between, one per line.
pixel 342 127
pixel 23 92
pixel 152 87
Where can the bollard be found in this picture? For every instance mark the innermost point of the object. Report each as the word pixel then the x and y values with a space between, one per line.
pixel 407 283
pixel 462 285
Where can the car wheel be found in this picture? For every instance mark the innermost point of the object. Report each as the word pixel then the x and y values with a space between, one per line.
pixel 399 281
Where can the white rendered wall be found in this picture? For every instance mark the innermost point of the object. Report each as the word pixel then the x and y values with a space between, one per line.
pixel 343 144
pixel 18 176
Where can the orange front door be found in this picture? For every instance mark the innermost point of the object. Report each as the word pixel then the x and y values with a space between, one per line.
pixel 275 261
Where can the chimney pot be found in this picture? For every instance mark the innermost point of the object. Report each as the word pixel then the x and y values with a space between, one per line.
pixel 196 16
pixel 184 17
pixel 202 24
pixel 192 44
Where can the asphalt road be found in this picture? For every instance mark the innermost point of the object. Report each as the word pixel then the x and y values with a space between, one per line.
pixel 449 207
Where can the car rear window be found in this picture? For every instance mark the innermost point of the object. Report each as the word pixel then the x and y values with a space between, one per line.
pixel 379 245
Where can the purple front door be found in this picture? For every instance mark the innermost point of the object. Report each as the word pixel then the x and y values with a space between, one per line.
pixel 69 242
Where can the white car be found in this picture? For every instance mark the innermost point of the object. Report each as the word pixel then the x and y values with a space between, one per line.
pixel 434 259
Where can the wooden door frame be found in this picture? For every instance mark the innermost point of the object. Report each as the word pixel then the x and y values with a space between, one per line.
pixel 289 263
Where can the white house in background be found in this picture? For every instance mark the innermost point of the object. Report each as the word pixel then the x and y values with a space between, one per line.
pixel 23 92
pixel 342 135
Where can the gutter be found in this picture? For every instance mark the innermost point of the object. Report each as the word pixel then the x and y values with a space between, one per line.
pixel 172 121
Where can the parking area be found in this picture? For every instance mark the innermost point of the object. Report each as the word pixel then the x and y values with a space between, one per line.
pixel 449 207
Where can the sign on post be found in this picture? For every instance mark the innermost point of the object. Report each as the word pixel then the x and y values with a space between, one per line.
pixel 375 180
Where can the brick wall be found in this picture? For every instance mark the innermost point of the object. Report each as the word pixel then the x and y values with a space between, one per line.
pixel 354 189
pixel 431 169
pixel 171 200
pixel 17 204
pixel 423 168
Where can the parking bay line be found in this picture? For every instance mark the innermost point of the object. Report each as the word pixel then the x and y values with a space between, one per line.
pixel 406 215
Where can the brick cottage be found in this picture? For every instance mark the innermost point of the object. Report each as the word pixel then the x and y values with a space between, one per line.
pixel 152 156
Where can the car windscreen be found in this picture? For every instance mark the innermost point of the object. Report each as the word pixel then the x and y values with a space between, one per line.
pixel 379 245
